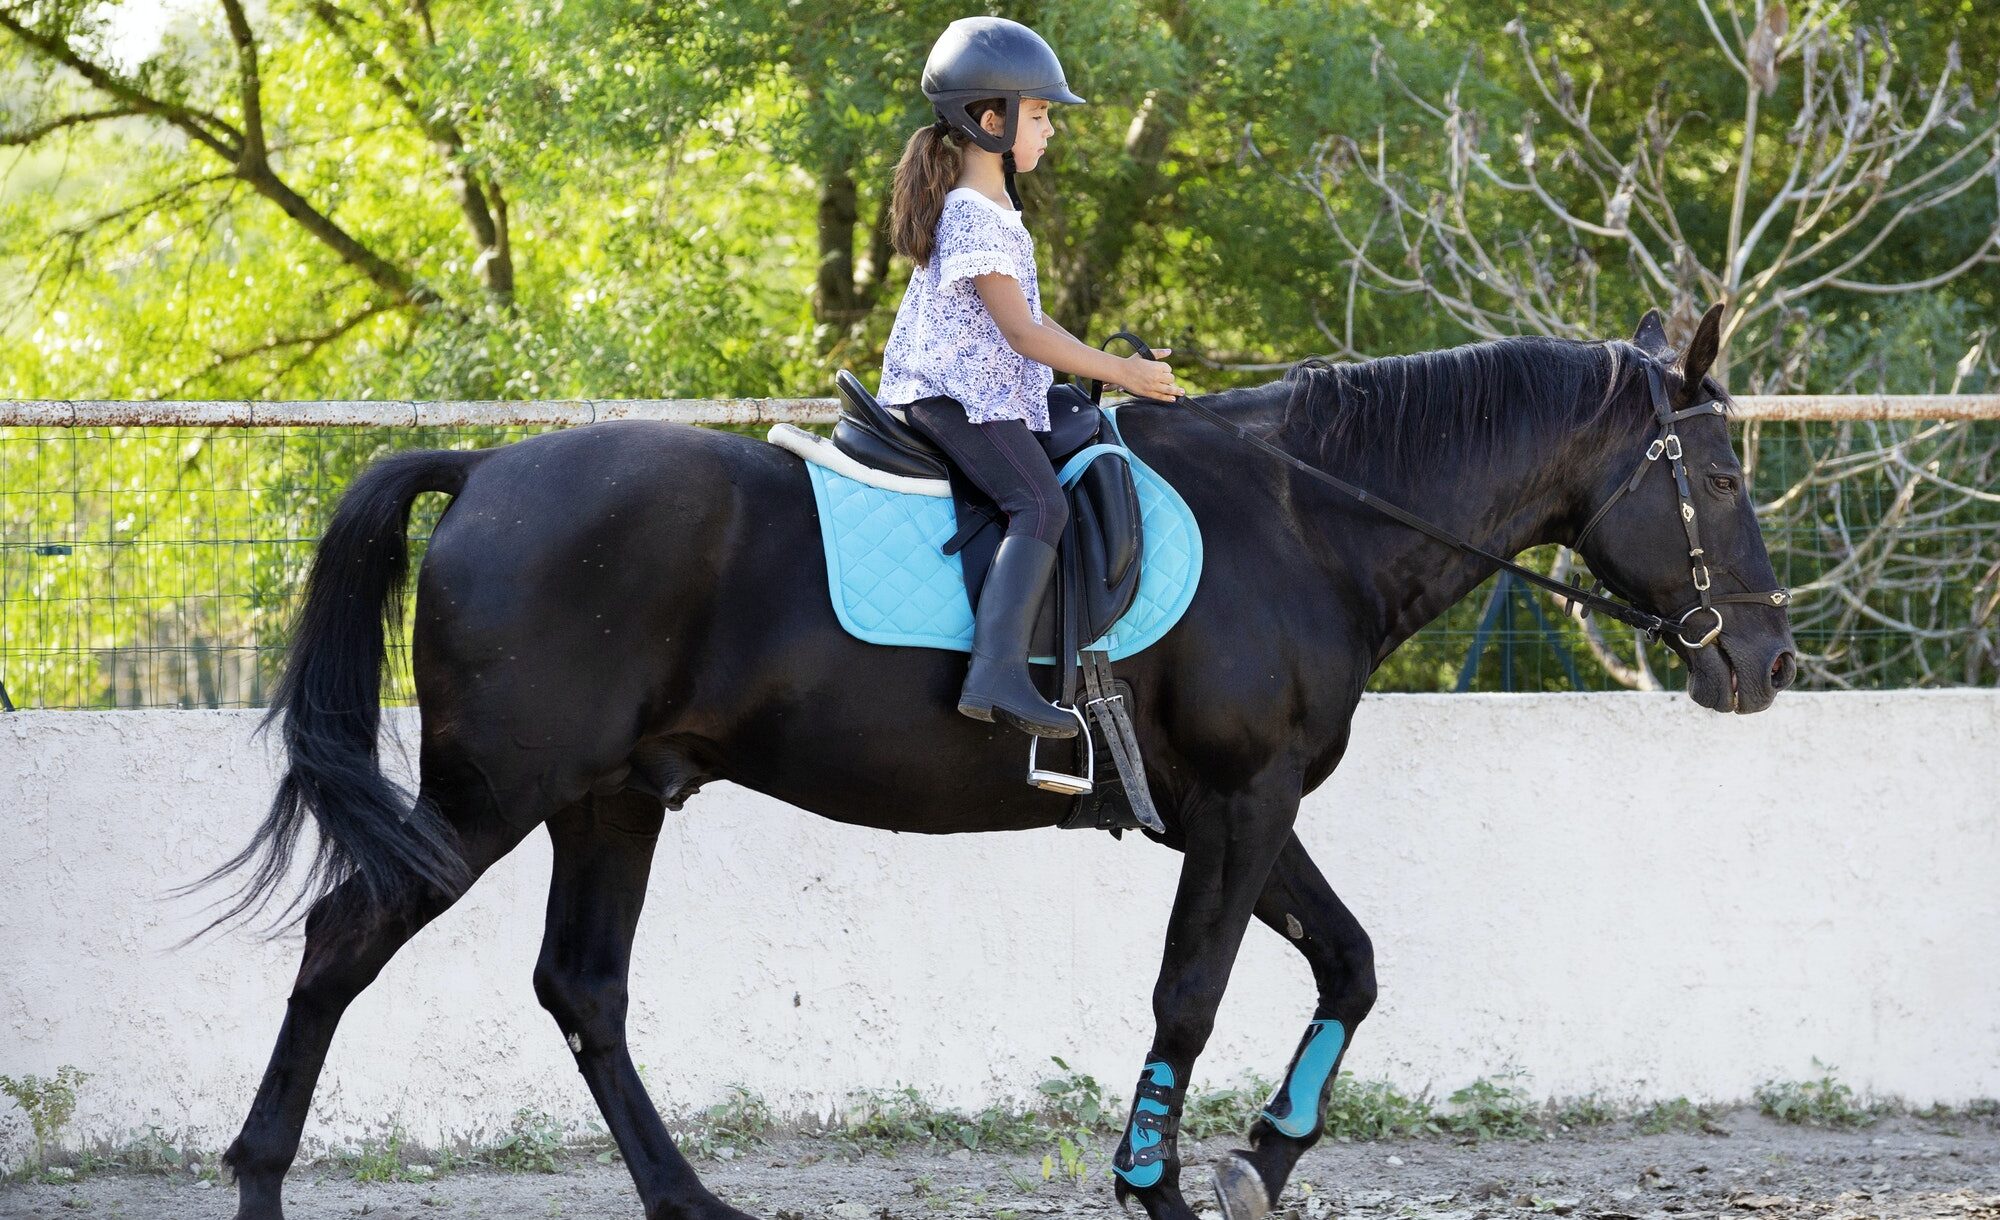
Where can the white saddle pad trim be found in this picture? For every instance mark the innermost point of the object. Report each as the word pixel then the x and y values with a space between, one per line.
pixel 820 451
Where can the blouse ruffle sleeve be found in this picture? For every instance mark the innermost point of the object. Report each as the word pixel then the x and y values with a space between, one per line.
pixel 970 243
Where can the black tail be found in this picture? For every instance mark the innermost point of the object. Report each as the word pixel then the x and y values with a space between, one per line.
pixel 393 845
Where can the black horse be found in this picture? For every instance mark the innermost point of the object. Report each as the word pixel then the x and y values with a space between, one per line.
pixel 612 616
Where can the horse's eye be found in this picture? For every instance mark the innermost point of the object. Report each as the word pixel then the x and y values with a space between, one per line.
pixel 1726 484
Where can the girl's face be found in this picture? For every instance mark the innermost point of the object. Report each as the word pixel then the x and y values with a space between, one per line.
pixel 1031 133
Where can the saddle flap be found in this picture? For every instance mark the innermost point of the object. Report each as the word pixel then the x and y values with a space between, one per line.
pixel 1108 487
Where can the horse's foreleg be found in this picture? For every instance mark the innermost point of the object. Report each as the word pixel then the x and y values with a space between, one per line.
pixel 346 947
pixel 1298 904
pixel 603 852
pixel 1229 844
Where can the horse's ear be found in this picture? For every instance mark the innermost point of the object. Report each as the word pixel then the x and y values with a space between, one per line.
pixel 1651 337
pixel 1701 353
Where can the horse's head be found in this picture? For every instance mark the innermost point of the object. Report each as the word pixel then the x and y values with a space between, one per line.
pixel 1682 541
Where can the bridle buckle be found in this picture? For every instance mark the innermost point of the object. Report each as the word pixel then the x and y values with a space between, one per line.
pixel 1673 445
pixel 1701 581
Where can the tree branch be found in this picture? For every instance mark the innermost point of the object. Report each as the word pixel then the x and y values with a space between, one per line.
pixel 206 129
pixel 28 135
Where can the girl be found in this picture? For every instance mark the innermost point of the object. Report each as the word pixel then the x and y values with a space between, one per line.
pixel 971 358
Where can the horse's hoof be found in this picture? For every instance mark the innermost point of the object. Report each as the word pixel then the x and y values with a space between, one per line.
pixel 1239 1191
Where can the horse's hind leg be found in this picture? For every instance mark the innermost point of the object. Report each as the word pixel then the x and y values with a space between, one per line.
pixel 1299 905
pixel 603 852
pixel 346 947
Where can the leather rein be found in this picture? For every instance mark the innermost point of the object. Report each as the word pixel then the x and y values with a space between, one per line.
pixel 1665 444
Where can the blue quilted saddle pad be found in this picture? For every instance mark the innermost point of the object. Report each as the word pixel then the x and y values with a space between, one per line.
pixel 892 583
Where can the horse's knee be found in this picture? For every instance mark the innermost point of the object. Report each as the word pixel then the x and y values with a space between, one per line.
pixel 1183 1018
pixel 588 1008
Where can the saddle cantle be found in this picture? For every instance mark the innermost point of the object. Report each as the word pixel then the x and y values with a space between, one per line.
pixel 1104 531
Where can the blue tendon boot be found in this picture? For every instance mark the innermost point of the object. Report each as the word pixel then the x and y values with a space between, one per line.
pixel 1295 1111
pixel 1149 1144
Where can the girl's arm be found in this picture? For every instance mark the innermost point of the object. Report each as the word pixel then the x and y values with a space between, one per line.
pixel 1048 343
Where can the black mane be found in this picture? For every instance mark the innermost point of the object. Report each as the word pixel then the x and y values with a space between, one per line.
pixel 1447 410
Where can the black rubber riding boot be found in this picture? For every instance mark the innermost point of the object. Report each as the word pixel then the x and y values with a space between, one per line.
pixel 997 685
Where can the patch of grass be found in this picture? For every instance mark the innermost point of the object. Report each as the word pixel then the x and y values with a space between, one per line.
pixel 1977 1108
pixel 1071 1157
pixel 1362 1110
pixel 380 1161
pixel 534 1143
pixel 49 1104
pixel 1825 1102
pixel 1075 1099
pixel 1582 1113
pixel 1485 1109
pixel 1071 1105
pixel 886 1118
pixel 392 1158
pixel 1677 1114
pixel 1224 1112
pixel 739 1122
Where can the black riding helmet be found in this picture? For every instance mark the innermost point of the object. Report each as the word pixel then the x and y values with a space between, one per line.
pixel 982 57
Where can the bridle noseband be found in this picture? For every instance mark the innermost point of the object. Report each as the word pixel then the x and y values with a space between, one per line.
pixel 1666 444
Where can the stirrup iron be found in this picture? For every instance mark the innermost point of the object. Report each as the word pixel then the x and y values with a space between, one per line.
pixel 1049 780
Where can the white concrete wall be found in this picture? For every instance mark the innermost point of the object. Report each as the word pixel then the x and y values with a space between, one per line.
pixel 1618 893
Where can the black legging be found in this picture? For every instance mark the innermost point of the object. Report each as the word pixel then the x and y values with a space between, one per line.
pixel 1004 460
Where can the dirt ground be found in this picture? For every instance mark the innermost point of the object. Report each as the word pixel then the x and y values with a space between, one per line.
pixel 1900 1168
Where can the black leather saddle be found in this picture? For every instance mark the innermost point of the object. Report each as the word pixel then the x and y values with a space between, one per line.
pixel 1101 548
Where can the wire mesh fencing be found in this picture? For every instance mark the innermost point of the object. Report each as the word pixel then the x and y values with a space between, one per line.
pixel 159 566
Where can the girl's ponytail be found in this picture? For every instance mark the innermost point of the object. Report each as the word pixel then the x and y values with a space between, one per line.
pixel 932 159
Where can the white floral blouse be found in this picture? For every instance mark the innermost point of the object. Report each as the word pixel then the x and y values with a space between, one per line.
pixel 945 340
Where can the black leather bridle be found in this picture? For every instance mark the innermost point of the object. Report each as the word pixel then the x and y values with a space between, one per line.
pixel 1667 444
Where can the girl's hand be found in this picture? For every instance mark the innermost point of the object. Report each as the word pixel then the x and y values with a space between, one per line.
pixel 1150 378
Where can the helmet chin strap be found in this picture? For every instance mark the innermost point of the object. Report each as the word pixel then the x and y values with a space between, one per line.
pixel 944 128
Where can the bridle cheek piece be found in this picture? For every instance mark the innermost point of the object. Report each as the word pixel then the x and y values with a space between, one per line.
pixel 1668 445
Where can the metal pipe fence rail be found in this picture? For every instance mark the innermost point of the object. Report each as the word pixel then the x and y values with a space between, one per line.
pixel 150 552
pixel 750 412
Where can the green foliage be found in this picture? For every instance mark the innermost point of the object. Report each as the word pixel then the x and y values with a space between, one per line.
pixel 1208 1113
pixel 738 1123
pixel 1485 1109
pixel 1376 1110
pixel 1824 1102
pixel 1676 1114
pixel 1072 1158
pixel 534 1143
pixel 1071 1115
pixel 48 1102
pixel 378 1160
pixel 1075 1099
pixel 1581 1113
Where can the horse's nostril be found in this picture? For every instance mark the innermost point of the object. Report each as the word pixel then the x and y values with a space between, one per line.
pixel 1783 670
